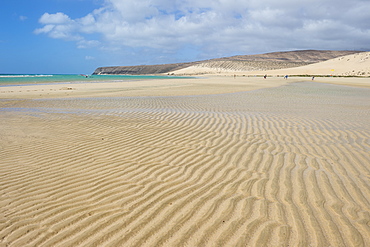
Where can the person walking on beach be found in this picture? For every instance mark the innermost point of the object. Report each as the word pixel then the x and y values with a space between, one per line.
pixel 264 76
pixel 313 78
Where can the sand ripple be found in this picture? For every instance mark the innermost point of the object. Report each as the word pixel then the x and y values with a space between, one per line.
pixel 285 166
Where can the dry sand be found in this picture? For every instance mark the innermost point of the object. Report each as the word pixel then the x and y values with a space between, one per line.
pixel 198 162
pixel 351 65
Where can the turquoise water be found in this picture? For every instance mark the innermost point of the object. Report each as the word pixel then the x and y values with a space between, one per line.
pixel 25 79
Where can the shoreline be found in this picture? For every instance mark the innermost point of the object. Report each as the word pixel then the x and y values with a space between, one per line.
pixel 210 84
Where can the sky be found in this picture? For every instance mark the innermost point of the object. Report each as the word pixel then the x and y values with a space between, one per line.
pixel 77 36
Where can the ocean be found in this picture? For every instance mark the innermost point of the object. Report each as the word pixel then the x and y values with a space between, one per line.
pixel 26 79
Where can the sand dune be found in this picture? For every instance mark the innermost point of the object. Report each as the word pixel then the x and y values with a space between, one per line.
pixel 232 66
pixel 351 65
pixel 272 60
pixel 282 166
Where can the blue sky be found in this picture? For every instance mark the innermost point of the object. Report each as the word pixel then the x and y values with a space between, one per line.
pixel 77 36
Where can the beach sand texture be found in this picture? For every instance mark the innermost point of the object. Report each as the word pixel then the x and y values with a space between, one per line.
pixel 281 166
pixel 357 64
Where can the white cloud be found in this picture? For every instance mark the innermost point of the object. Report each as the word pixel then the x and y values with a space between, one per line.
pixel 45 29
pixel 59 26
pixel 217 27
pixel 23 18
pixel 87 43
pixel 58 18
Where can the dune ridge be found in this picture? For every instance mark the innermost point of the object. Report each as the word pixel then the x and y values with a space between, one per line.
pixel 273 167
pixel 357 64
pixel 221 66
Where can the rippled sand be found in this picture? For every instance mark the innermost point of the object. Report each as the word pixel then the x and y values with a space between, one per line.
pixel 284 166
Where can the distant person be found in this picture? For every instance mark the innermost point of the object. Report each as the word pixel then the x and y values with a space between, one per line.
pixel 286 77
pixel 265 76
pixel 313 78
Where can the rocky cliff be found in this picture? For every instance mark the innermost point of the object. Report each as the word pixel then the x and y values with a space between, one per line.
pixel 141 69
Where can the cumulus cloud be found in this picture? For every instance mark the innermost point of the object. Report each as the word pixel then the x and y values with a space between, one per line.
pixel 58 18
pixel 58 26
pixel 217 27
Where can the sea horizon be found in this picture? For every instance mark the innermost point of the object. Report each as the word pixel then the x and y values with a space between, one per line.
pixel 26 79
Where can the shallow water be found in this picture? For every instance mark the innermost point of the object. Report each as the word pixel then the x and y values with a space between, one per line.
pixel 23 79
pixel 307 99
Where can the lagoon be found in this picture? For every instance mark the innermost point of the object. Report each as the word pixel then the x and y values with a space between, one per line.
pixel 26 79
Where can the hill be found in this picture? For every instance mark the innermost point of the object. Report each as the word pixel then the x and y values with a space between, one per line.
pixel 267 61
pixel 351 65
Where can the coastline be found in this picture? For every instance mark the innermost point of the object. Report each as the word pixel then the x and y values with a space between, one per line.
pixel 153 87
pixel 210 84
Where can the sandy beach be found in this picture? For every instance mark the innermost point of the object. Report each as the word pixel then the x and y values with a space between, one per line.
pixel 208 161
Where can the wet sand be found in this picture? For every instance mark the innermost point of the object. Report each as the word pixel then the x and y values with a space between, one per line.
pixel 208 162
